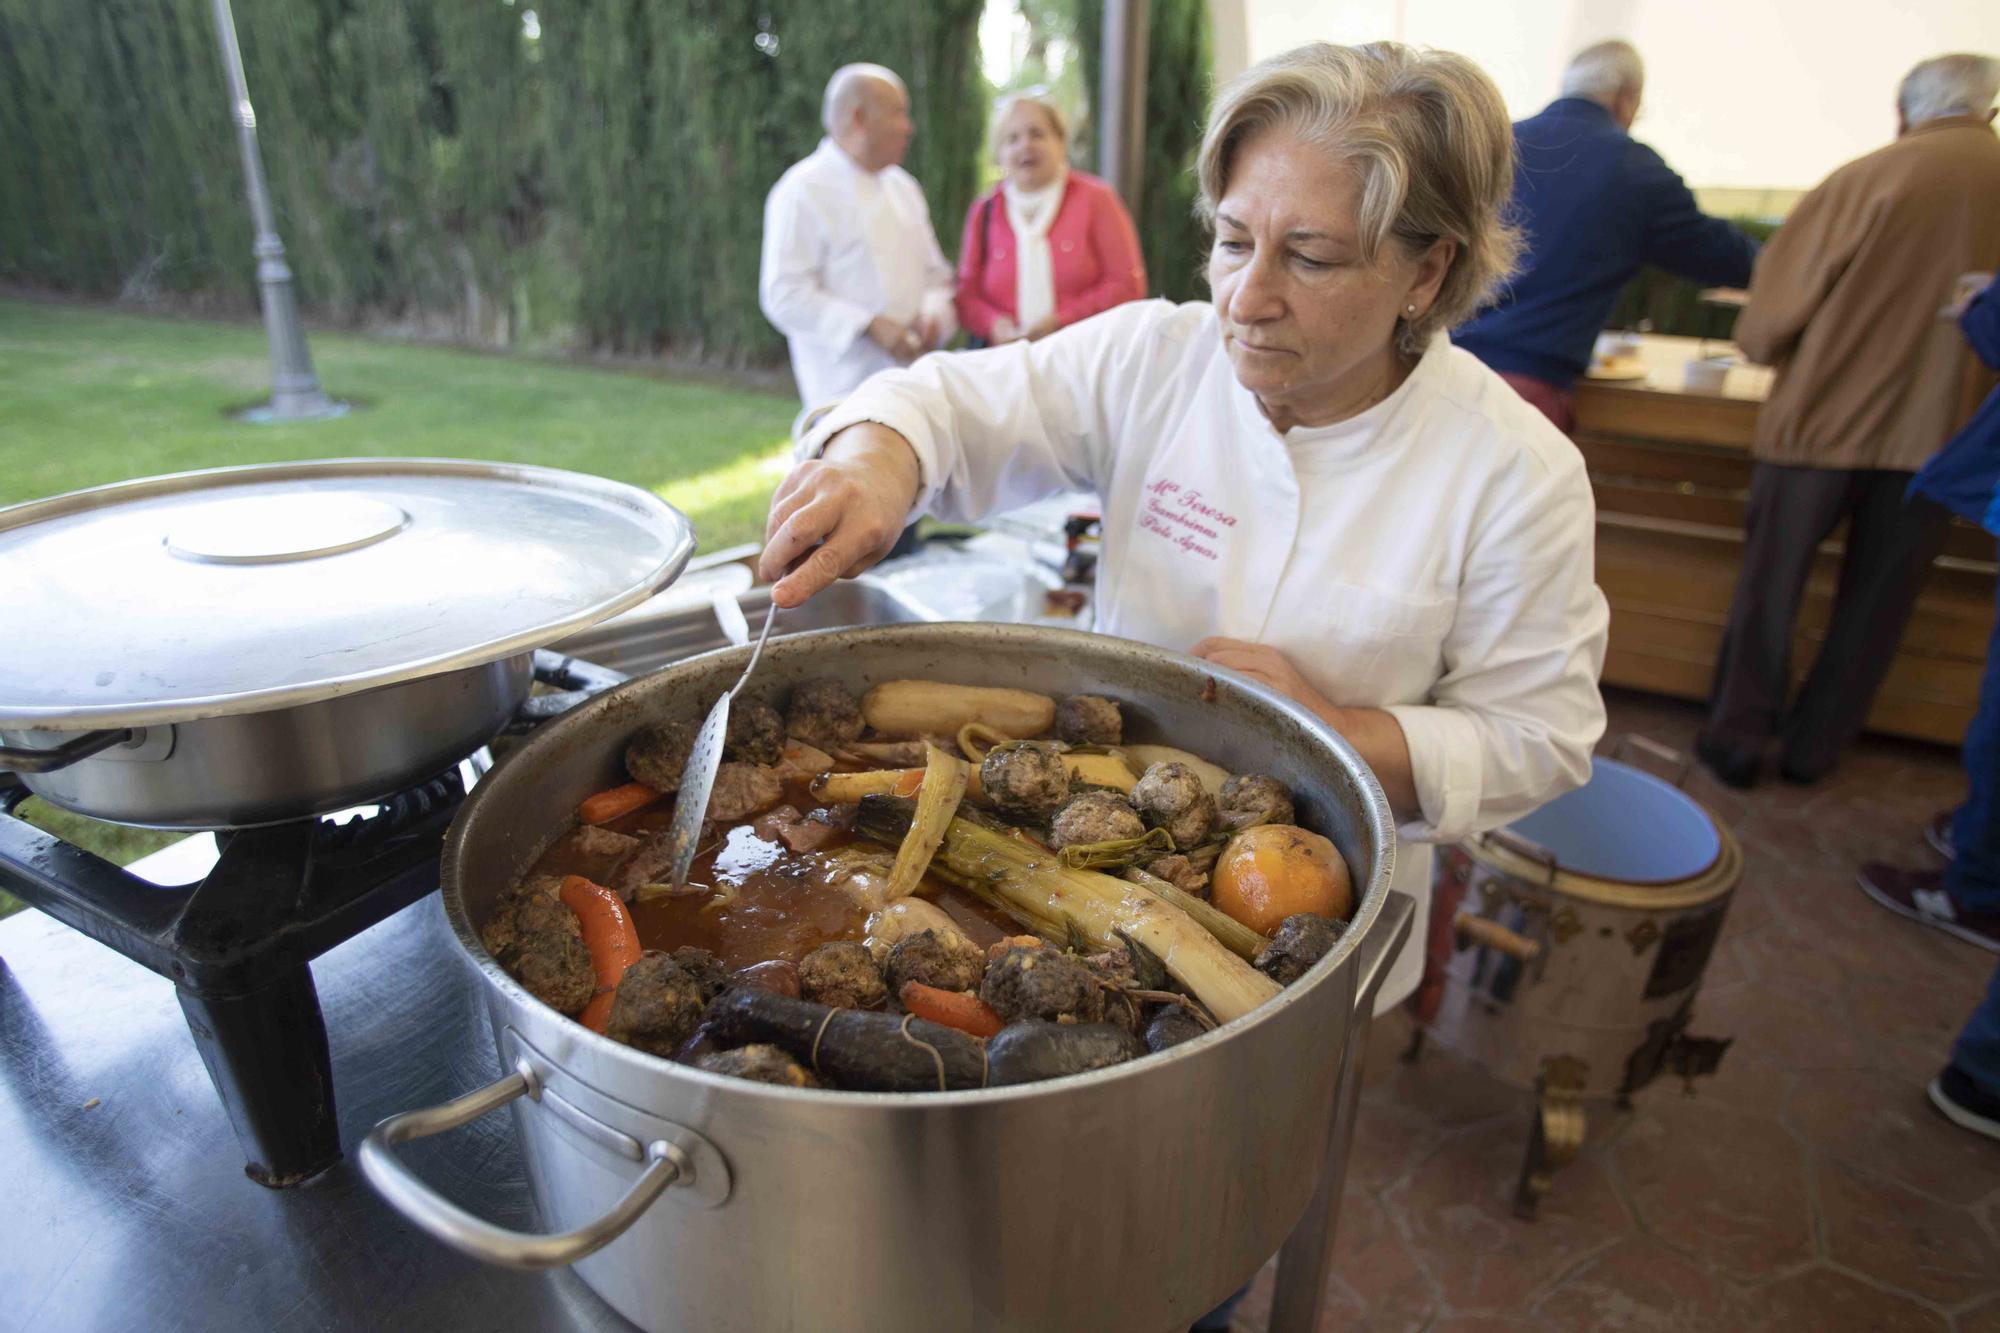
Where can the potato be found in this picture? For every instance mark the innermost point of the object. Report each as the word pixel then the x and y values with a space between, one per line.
pixel 929 707
pixel 1269 872
pixel 1143 757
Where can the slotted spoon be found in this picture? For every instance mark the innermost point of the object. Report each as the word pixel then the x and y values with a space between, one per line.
pixel 698 777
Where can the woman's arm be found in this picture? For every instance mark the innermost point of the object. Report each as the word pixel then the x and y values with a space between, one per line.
pixel 1375 735
pixel 1512 721
pixel 1123 269
pixel 975 313
pixel 962 435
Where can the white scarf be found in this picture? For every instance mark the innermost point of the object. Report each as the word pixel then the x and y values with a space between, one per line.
pixel 1029 213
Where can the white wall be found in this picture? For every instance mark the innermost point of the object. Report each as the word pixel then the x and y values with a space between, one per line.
pixel 1747 94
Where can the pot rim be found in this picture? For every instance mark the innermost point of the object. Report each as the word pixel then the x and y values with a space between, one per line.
pixel 1377 819
pixel 675 541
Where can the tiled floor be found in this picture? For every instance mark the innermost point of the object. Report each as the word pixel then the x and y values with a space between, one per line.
pixel 1807 1186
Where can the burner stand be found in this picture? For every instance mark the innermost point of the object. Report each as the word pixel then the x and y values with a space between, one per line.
pixel 239 943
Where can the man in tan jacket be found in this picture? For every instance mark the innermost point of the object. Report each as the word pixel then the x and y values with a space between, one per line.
pixel 1845 302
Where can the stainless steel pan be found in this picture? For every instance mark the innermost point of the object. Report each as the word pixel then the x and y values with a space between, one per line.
pixel 1133 1198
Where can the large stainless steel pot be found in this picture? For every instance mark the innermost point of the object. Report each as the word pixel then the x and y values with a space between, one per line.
pixel 1133 1198
pixel 248 645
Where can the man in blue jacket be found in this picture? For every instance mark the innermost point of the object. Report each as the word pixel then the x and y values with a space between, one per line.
pixel 1964 899
pixel 1595 205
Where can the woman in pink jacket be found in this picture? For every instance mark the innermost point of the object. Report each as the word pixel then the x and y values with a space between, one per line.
pixel 1048 246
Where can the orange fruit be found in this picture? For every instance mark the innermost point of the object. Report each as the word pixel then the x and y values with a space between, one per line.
pixel 1273 871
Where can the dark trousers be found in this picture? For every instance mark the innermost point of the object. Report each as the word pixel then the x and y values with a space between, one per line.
pixel 1973 879
pixel 1890 545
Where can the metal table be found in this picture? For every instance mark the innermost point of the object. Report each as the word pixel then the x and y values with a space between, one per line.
pixel 126 1206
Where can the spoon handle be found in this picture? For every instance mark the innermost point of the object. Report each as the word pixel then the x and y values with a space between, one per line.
pixel 756 652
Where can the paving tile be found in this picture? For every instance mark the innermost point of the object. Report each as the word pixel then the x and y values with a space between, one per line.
pixel 1908 1023
pixel 1448 1089
pixel 1821 1299
pixel 1639 1284
pixel 1389 1140
pixel 1475 1323
pixel 1456 1209
pixel 1892 1132
pixel 1981 1319
pixel 1374 1271
pixel 1898 1237
pixel 1778 1031
pixel 1721 1184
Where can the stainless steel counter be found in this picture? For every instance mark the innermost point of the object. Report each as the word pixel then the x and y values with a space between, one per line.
pixel 125 1203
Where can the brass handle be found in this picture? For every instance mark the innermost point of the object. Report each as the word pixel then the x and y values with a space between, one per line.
pixel 1493 935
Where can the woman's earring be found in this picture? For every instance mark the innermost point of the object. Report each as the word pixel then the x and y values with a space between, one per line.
pixel 1410 310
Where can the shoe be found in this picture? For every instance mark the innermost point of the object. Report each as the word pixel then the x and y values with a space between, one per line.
pixel 1938 834
pixel 1919 895
pixel 1732 767
pixel 1964 1103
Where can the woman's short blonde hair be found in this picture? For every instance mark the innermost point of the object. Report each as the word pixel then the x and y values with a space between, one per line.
pixel 1429 135
pixel 1035 99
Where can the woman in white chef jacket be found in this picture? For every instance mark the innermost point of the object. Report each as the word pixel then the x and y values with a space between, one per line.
pixel 1302 480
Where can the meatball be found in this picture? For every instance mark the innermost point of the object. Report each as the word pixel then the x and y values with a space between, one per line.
pixel 760 1064
pixel 1171 1026
pixel 949 962
pixel 657 1005
pixel 1180 872
pixel 540 943
pixel 657 755
pixel 843 975
pixel 1171 797
pixel 742 790
pixel 1252 798
pixel 1299 941
pixel 1095 816
pixel 1042 983
pixel 823 712
pixel 1028 780
pixel 706 969
pixel 756 733
pixel 1087 719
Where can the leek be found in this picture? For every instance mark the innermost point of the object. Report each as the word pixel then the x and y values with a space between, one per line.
pixel 945 776
pixel 1238 938
pixel 1032 882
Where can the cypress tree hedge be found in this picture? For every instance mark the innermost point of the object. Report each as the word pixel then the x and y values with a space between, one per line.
pixel 439 164
pixel 1177 92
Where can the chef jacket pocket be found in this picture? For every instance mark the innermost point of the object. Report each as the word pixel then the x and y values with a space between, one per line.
pixel 1376 647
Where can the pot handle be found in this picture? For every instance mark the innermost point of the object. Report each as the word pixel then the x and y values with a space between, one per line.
pixel 1378 951
pixel 666 1164
pixel 30 759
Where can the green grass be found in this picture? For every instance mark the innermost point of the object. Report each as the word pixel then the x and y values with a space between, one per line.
pixel 89 396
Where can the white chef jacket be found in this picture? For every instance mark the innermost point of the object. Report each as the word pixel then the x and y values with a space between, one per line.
pixel 1432 556
pixel 841 246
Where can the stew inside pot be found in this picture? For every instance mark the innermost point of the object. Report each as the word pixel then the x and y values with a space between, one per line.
pixel 929 887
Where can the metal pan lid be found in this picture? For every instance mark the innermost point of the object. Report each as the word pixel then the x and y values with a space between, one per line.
pixel 235 590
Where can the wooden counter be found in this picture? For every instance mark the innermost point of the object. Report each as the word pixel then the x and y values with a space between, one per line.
pixel 1671 470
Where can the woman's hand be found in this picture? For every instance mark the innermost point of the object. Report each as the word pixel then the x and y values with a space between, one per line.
pixel 1267 666
pixel 1042 328
pixel 1005 330
pixel 841 512
pixel 1375 735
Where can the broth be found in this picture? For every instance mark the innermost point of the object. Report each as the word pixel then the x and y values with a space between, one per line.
pixel 769 905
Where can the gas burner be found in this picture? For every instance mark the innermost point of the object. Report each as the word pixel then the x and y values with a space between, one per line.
pixel 238 943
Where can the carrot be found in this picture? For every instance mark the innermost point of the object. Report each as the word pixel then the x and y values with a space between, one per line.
pixel 608 805
pixel 949 1008
pixel 610 937
pixel 910 783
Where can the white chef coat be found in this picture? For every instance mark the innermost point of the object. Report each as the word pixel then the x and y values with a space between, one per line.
pixel 1431 556
pixel 841 246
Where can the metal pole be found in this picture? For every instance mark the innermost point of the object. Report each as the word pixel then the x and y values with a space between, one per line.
pixel 1121 113
pixel 295 391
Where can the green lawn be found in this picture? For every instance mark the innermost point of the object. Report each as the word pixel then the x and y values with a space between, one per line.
pixel 89 396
